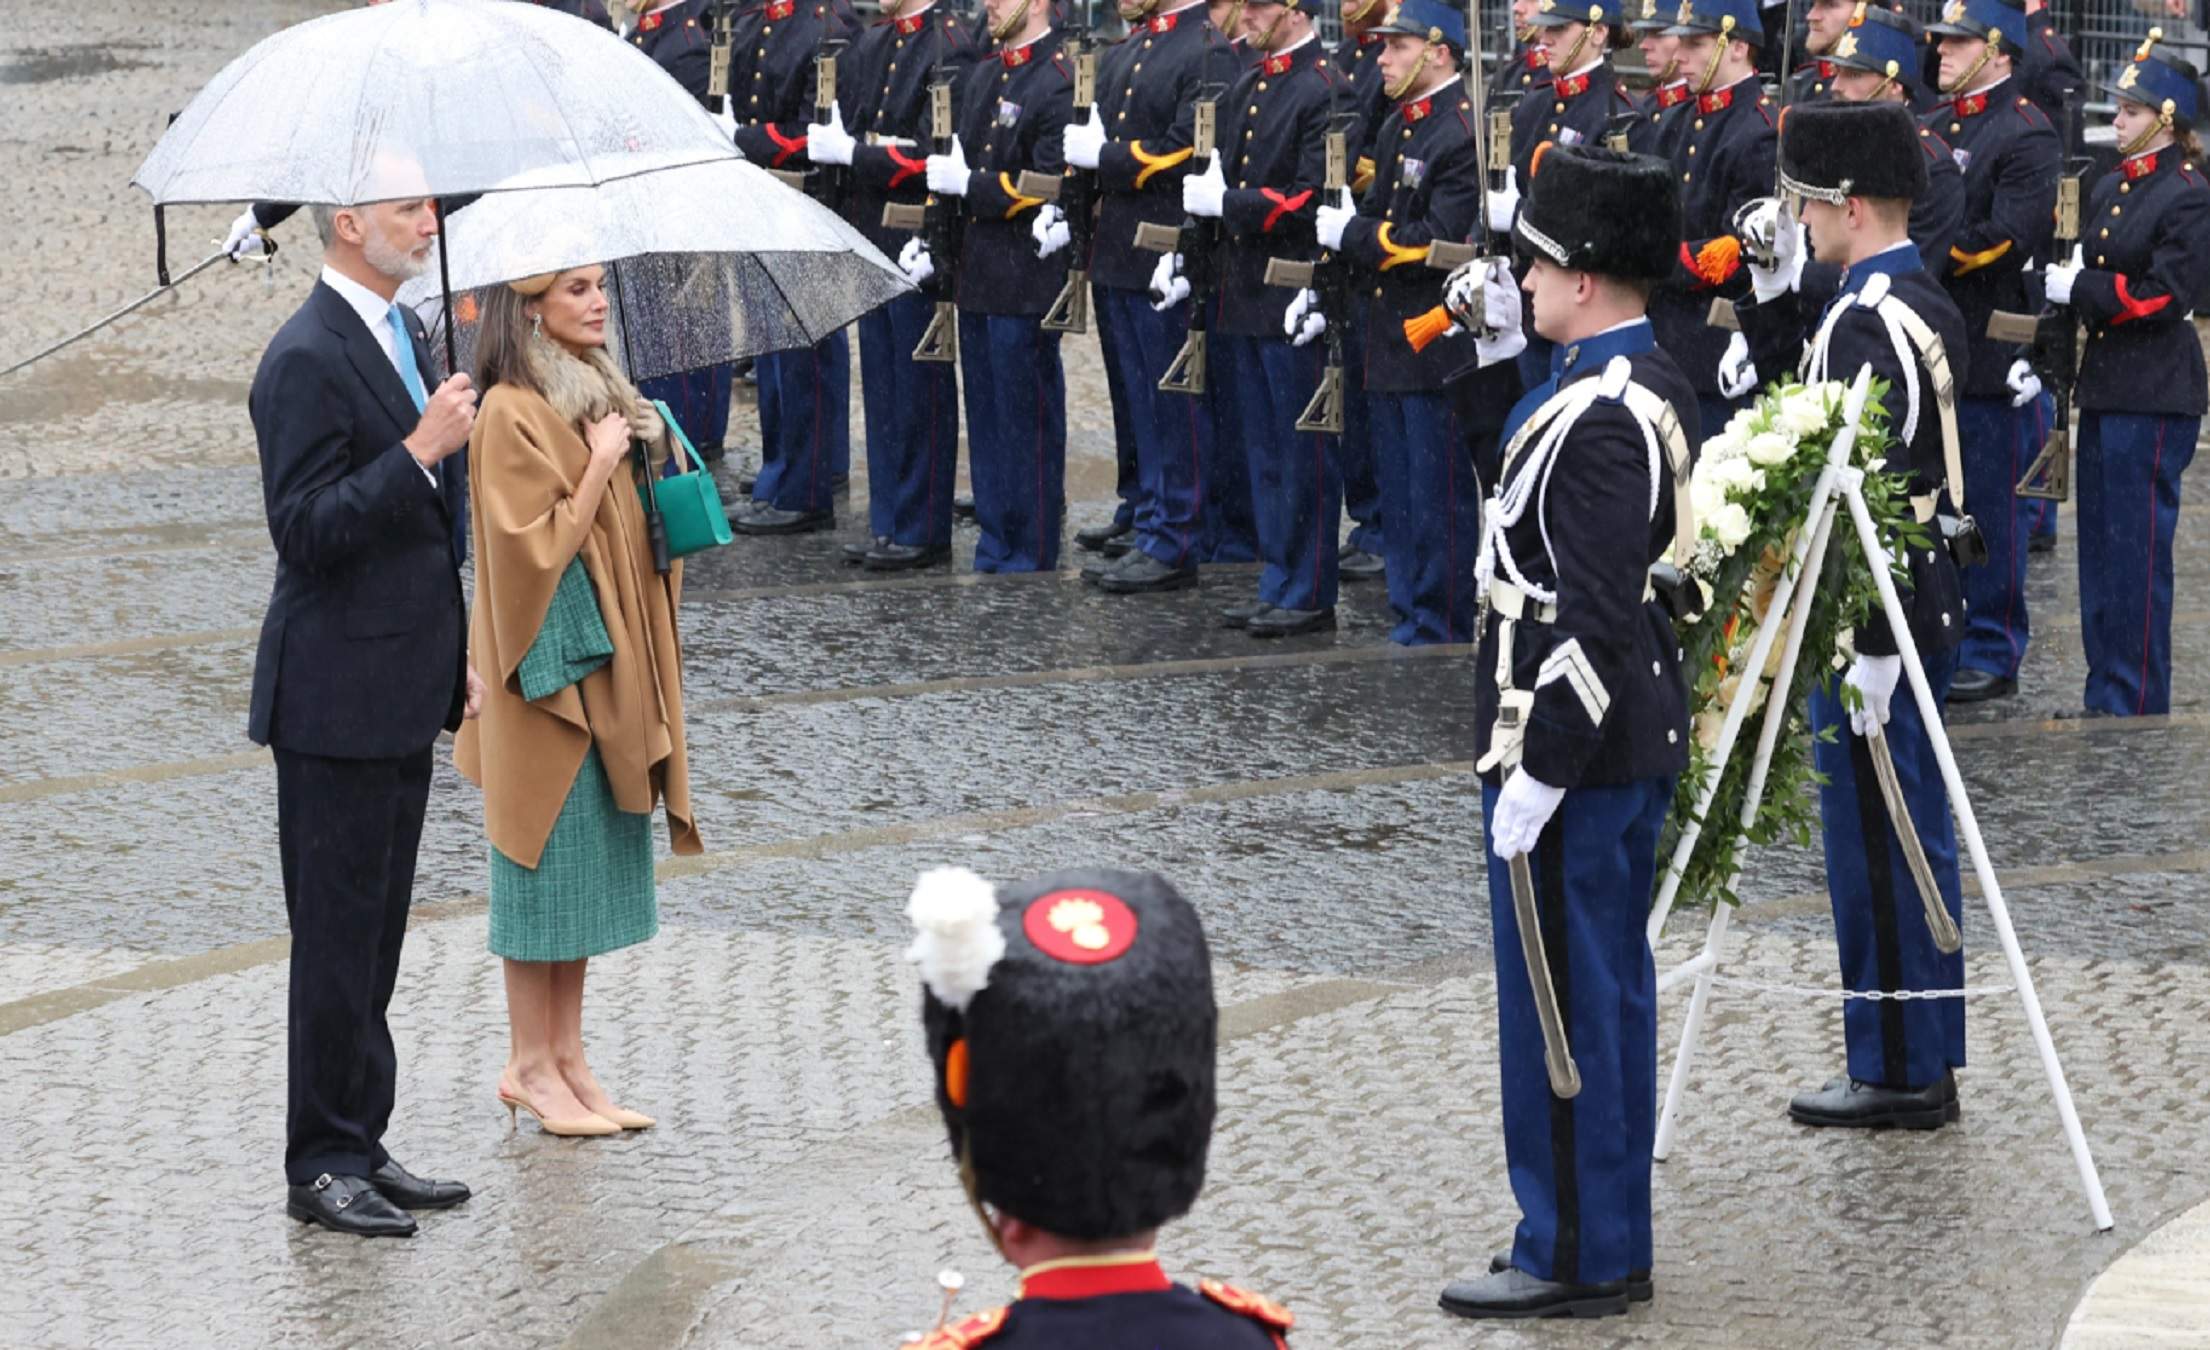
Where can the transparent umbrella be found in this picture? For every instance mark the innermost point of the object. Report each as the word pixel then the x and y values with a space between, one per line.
pixel 711 262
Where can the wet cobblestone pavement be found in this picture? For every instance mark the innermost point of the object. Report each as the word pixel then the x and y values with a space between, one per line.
pixel 1312 797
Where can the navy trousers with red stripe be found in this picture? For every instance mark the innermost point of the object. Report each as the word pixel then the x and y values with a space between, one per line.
pixel 1432 503
pixel 1173 432
pixel 1879 919
pixel 1127 483
pixel 1580 1167
pixel 2127 478
pixel 1016 439
pixel 1997 442
pixel 1355 451
pixel 1296 482
pixel 805 424
pixel 912 417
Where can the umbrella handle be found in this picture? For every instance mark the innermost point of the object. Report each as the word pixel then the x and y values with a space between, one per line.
pixel 445 285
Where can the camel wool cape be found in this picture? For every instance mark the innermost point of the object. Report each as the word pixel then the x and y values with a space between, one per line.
pixel 525 460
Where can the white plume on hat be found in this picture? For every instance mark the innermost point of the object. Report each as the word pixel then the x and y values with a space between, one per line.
pixel 956 913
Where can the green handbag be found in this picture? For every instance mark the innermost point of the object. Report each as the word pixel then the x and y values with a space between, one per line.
pixel 690 504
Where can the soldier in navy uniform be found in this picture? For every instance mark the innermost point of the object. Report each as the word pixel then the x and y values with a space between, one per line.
pixel 1139 143
pixel 1427 187
pixel 2141 392
pixel 1527 70
pixel 1356 61
pixel 1855 168
pixel 1823 22
pixel 1661 117
pixel 2010 156
pixel 1264 189
pixel 910 408
pixel 1723 158
pixel 1582 725
pixel 805 418
pixel 2049 71
pixel 1073 1174
pixel 1012 113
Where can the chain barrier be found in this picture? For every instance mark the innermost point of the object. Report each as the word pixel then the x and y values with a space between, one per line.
pixel 1868 995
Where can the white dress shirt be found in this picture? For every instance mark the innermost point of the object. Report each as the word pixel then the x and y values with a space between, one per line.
pixel 375 312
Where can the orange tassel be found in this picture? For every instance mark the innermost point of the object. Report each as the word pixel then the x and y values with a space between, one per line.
pixel 1718 259
pixel 1425 328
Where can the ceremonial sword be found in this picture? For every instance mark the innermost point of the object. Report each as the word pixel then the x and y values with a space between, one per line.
pixel 133 307
pixel 1557 1054
pixel 1946 937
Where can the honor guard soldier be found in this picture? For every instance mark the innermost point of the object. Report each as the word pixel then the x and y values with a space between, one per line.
pixel 1426 187
pixel 2049 72
pixel 1073 1174
pixel 1264 188
pixel 1529 66
pixel 1357 62
pixel 1139 143
pixel 1013 110
pixel 910 408
pixel 2141 270
pixel 1823 22
pixel 2010 156
pixel 805 417
pixel 1723 158
pixel 1661 118
pixel 1582 722
pixel 1855 168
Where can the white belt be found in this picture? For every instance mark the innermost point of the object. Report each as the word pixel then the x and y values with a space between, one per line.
pixel 1510 602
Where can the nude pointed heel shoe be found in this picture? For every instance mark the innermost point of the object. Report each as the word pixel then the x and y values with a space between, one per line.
pixel 628 1119
pixel 583 1126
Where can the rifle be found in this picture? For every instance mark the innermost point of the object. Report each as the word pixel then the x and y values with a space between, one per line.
pixel 1330 279
pixel 1075 191
pixel 1448 255
pixel 722 20
pixel 940 229
pixel 1198 241
pixel 2052 335
pixel 825 183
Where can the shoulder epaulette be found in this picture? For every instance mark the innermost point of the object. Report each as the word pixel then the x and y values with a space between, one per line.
pixel 975 1331
pixel 1259 1308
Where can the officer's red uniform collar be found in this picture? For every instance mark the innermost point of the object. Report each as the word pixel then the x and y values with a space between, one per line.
pixel 2140 166
pixel 909 24
pixel 1569 85
pixel 1095 1276
pixel 781 9
pixel 1720 99
pixel 1670 94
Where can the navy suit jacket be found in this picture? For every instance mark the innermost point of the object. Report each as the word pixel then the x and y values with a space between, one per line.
pixel 363 652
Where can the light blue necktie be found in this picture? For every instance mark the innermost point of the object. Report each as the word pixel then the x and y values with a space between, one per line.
pixel 402 355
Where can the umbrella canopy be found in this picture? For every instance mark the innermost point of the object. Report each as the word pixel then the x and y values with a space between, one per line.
pixel 710 263
pixel 428 98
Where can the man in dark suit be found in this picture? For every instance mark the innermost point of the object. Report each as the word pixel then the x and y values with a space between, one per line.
pixel 363 659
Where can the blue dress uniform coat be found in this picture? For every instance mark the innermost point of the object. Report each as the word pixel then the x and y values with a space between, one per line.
pixel 1120 1305
pixel 910 408
pixel 1013 108
pixel 1609 724
pixel 1879 923
pixel 805 417
pixel 2048 71
pixel 1574 110
pixel 1427 186
pixel 1147 91
pixel 1274 187
pixel 1662 120
pixel 1814 79
pixel 2141 396
pixel 1724 155
pixel 2010 157
pixel 1357 60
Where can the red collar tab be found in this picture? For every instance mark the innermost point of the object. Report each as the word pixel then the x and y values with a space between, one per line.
pixel 1971 105
pixel 1275 65
pixel 1570 85
pixel 1537 57
pixel 1163 23
pixel 1669 95
pixel 1715 102
pixel 909 24
pixel 2141 166
pixel 1369 39
pixel 1018 56
pixel 651 21
pixel 1095 1278
pixel 1826 69
pixel 781 9
pixel 1413 112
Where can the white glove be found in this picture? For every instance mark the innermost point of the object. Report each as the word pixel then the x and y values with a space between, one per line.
pixel 1482 296
pixel 1049 230
pixel 1168 286
pixel 827 142
pixel 1737 373
pixel 2025 386
pixel 948 172
pixel 1082 142
pixel 1204 194
pixel 1304 321
pixel 1522 809
pixel 915 262
pixel 1504 202
pixel 244 239
pixel 1332 219
pixel 1874 678
pixel 2057 279
pixel 1787 269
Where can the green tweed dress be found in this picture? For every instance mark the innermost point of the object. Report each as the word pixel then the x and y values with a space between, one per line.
pixel 592 889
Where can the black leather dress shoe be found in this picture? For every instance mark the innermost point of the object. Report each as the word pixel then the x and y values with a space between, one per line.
pixel 856 554
pixel 1095 537
pixel 1850 1104
pixel 1142 573
pixel 1096 569
pixel 1119 548
pixel 1236 616
pixel 408 1191
pixel 1640 1287
pixel 1978 686
pixel 2079 714
pixel 963 508
pixel 1358 565
pixel 1279 622
pixel 347 1205
pixel 905 557
pixel 771 520
pixel 1515 1293
pixel 713 452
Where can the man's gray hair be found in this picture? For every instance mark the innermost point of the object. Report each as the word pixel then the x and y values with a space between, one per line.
pixel 326 223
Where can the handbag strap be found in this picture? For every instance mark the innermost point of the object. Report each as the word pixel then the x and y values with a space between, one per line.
pixel 689 453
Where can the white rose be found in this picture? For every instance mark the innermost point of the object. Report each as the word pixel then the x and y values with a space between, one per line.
pixel 1742 425
pixel 1804 412
pixel 1732 474
pixel 1705 495
pixel 1725 445
pixel 1771 447
pixel 1729 524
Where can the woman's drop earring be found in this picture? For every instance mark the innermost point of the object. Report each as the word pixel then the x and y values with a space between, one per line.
pixel 537 325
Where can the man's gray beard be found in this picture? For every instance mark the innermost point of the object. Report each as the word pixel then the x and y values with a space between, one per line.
pixel 396 263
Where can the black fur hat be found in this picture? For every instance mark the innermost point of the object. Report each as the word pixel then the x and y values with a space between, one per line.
pixel 1071 1025
pixel 1603 211
pixel 1832 150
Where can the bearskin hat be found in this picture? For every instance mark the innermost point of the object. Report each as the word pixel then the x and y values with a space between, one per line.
pixel 1831 151
pixel 1599 210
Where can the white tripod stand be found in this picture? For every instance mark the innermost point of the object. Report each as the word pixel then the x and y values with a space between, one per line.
pixel 1841 484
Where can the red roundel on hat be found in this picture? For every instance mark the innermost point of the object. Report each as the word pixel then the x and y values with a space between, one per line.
pixel 1081 927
